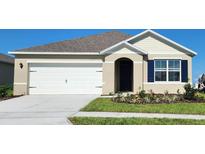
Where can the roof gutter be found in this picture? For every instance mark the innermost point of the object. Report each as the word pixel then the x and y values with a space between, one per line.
pixel 52 53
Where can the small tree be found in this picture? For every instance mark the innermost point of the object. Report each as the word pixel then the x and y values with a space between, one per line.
pixel 190 92
pixel 202 79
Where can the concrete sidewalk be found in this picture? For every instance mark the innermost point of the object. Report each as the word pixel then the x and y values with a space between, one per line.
pixel 138 115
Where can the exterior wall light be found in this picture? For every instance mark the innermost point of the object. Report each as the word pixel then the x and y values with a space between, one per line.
pixel 21 65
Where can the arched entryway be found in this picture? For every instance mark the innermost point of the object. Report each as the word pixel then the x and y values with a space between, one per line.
pixel 123 75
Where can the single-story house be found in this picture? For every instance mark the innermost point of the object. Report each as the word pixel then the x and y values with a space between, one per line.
pixel 102 64
pixel 6 70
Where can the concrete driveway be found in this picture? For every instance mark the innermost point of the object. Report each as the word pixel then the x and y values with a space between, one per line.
pixel 42 109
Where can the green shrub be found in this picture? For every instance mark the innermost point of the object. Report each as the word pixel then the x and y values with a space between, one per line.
pixel 4 91
pixel 151 95
pixel 190 92
pixel 190 95
pixel 142 94
pixel 147 99
pixel 130 98
pixel 118 98
pixel 178 92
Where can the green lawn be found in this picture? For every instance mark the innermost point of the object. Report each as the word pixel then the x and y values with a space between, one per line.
pixel 133 121
pixel 202 95
pixel 106 105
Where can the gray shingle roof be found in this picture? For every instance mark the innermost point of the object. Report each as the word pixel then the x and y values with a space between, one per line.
pixel 94 43
pixel 6 59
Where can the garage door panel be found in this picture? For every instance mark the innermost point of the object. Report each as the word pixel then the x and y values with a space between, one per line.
pixel 65 79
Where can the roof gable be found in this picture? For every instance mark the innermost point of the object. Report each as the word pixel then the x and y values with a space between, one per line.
pixel 159 37
pixel 155 46
pixel 120 45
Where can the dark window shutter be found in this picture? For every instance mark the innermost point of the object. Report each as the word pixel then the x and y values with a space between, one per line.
pixel 184 71
pixel 150 70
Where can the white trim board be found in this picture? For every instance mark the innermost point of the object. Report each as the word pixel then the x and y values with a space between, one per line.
pixel 174 54
pixel 138 62
pixel 52 53
pixel 165 82
pixel 167 58
pixel 20 83
pixel 112 62
pixel 109 62
pixel 137 49
pixel 64 61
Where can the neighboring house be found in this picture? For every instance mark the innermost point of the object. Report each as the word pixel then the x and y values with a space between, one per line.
pixel 6 70
pixel 103 64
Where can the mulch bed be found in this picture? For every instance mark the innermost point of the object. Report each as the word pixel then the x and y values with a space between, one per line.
pixel 195 100
pixel 7 97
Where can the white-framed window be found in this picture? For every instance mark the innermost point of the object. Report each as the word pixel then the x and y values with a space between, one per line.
pixel 167 70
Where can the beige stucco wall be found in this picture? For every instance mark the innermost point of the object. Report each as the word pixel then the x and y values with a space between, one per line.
pixel 155 48
pixel 109 69
pixel 108 78
pixel 159 50
pixel 161 88
pixel 6 73
pixel 140 75
pixel 21 76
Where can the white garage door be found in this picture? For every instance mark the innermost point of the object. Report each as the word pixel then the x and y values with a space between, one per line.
pixel 65 78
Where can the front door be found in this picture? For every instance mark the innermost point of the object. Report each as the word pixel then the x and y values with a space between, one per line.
pixel 124 78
